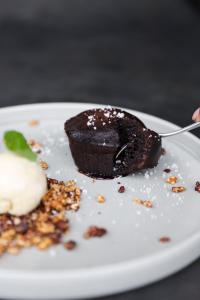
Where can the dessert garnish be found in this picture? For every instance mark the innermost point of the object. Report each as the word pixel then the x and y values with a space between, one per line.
pixel 146 203
pixel 33 123
pixel 178 189
pixel 94 231
pixel 61 195
pixel 35 146
pixel 43 164
pixel 101 199
pixel 197 187
pixel 23 182
pixel 164 239
pixel 16 143
pixel 121 189
pixel 172 180
pixel 70 245
pixel 97 135
pixel 167 170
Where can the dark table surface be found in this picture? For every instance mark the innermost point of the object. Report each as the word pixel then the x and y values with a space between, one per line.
pixel 143 55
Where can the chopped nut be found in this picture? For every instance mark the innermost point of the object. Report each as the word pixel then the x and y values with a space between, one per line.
pixel 167 170
pixel 2 249
pixel 44 165
pixel 17 221
pixel 23 241
pixel 22 227
pixel 197 187
pixel 178 189
pixel 8 234
pixel 101 199
pixel 164 239
pixel 36 146
pixel 146 203
pixel 172 180
pixel 45 243
pixel 51 181
pixel 70 245
pixel 13 250
pixel 94 231
pixel 46 227
pixel 36 240
pixel 121 189
pixel 33 123
pixel 62 225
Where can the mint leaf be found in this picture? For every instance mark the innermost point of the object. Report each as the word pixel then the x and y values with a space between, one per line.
pixel 16 143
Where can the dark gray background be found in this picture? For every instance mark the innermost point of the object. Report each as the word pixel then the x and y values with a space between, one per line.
pixel 142 54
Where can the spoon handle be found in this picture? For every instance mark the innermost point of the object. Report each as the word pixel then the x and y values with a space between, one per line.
pixel 187 128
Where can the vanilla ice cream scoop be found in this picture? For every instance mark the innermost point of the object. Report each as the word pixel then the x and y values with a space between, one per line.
pixel 22 184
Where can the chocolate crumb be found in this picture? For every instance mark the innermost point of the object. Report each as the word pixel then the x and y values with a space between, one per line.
pixel 22 227
pixel 94 231
pixel 121 189
pixel 167 170
pixel 197 187
pixel 70 245
pixel 163 151
pixel 164 239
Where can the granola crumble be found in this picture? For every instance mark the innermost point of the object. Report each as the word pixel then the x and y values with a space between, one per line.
pixel 46 225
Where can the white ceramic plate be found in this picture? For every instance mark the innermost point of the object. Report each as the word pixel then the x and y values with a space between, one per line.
pixel 130 255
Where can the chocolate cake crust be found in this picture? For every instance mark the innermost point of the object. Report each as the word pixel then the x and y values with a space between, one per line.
pixel 96 136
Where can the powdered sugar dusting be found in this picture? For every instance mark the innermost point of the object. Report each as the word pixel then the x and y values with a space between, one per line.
pixel 108 114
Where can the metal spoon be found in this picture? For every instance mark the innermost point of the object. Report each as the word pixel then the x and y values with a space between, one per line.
pixel 162 135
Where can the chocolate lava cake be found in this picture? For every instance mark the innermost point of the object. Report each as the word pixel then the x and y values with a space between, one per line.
pixel 97 135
